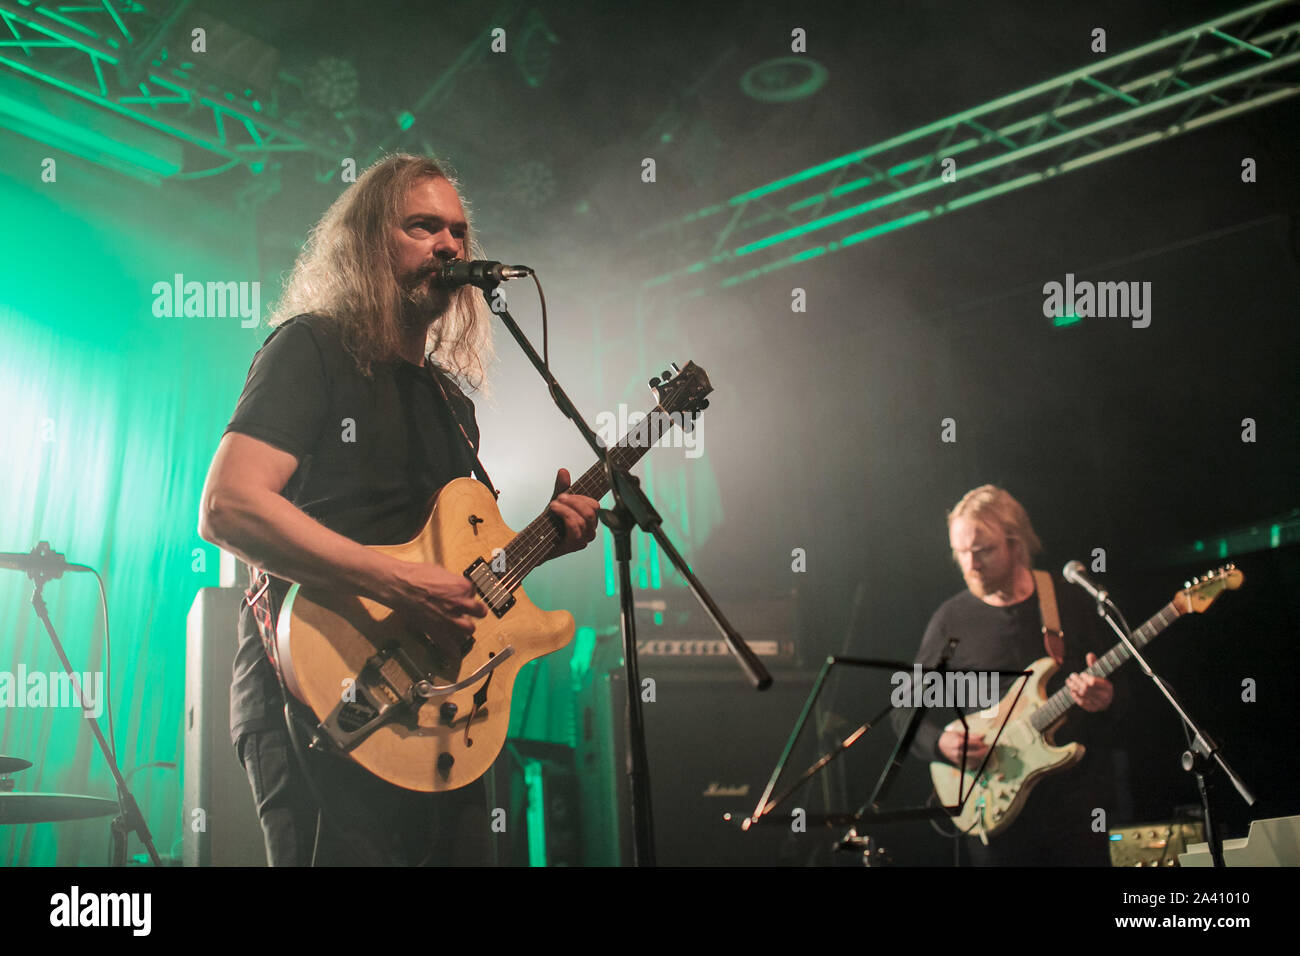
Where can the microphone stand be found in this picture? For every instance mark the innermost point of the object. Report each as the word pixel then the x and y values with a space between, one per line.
pixel 631 509
pixel 1203 753
pixel 129 818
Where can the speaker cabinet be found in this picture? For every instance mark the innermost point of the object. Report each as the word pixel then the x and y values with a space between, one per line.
pixel 225 831
pixel 712 742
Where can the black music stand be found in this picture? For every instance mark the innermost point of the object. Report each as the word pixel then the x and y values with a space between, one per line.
pixel 764 814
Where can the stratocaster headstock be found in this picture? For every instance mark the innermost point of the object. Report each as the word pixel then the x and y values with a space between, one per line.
pixel 1199 593
pixel 682 391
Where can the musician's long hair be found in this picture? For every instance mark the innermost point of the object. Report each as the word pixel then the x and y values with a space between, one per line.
pixel 345 274
pixel 989 504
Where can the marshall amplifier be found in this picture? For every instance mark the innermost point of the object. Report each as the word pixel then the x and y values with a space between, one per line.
pixel 712 741
pixel 673 630
pixel 690 652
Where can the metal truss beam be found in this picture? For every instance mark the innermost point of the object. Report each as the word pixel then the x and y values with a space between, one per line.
pixel 110 53
pixel 113 54
pixel 1211 72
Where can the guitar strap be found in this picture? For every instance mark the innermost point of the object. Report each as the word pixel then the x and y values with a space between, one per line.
pixel 479 471
pixel 1053 637
pixel 258 599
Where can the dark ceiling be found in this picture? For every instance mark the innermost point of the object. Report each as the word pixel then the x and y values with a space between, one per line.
pixel 663 80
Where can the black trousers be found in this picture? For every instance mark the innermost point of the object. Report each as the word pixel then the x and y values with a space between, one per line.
pixel 366 821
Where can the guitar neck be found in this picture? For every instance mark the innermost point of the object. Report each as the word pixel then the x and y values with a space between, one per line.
pixel 1107 664
pixel 534 544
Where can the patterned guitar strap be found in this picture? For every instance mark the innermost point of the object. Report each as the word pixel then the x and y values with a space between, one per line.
pixel 1053 637
pixel 258 599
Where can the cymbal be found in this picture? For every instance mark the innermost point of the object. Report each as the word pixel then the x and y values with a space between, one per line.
pixel 51 807
pixel 13 764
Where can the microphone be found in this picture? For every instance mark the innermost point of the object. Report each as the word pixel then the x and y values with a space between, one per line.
pixel 41 559
pixel 1073 572
pixel 480 272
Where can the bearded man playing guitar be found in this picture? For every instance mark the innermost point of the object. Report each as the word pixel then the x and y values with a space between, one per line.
pixel 349 423
pixel 997 623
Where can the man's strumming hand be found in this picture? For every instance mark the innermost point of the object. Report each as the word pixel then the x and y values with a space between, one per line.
pixel 950 746
pixel 441 603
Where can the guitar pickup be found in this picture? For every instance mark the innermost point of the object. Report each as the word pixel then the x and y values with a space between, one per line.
pixel 489 587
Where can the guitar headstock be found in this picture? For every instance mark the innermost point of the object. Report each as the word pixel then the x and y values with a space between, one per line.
pixel 1199 593
pixel 682 390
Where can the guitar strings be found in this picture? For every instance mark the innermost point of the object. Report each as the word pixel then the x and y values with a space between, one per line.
pixel 545 534
pixel 539 541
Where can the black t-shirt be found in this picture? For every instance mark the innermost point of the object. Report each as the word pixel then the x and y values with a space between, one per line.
pixel 372 453
pixel 1011 638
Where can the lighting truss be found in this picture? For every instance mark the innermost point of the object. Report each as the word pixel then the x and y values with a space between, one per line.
pixel 111 54
pixel 1211 72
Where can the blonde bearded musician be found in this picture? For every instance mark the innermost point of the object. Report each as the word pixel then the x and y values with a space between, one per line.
pixel 349 423
pixel 998 625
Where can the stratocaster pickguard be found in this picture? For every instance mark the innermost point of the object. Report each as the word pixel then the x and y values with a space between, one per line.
pixel 1020 760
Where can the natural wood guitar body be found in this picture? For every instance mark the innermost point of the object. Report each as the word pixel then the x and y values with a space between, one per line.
pixel 326 640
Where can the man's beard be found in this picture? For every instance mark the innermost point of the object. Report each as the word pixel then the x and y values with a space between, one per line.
pixel 423 302
pixel 982 587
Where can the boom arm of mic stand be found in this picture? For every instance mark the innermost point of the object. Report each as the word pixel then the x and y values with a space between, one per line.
pixel 749 662
pixel 630 504
pixel 644 514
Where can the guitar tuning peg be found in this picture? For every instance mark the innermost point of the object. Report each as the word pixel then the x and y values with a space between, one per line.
pixel 676 367
pixel 654 382
pixel 1196 580
pixel 704 404
pixel 666 375
pixel 1187 584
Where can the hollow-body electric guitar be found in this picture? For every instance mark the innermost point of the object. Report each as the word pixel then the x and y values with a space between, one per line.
pixel 1024 753
pixel 409 708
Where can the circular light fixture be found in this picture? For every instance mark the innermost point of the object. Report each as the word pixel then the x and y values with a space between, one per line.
pixel 331 83
pixel 784 80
